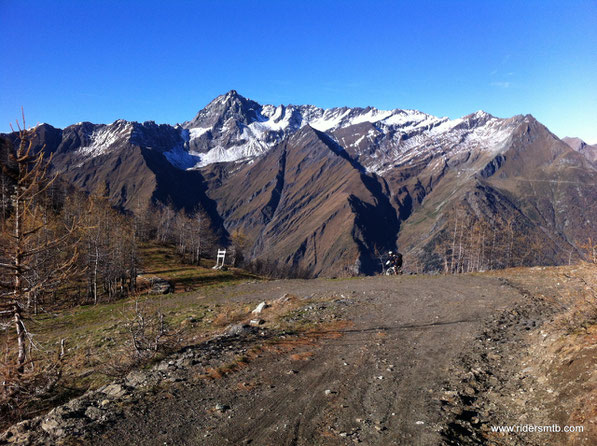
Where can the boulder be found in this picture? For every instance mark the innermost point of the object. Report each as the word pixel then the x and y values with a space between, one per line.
pixel 237 330
pixel 51 424
pixel 114 390
pixel 135 378
pixel 160 286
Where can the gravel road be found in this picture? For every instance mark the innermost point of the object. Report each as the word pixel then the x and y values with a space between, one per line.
pixel 374 379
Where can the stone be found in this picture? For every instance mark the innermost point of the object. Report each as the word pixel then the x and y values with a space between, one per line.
pixel 135 378
pixel 184 362
pixel 93 413
pixel 22 427
pixel 284 298
pixel 469 391
pixel 237 330
pixel 222 407
pixel 175 379
pixel 77 404
pixel 260 308
pixel 160 286
pixel 114 390
pixel 448 397
pixel 50 424
pixel 162 366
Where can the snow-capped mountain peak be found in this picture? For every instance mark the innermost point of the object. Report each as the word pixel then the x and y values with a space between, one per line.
pixel 233 128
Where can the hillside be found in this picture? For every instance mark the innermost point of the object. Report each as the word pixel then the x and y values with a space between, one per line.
pixel 96 339
pixel 588 150
pixel 308 204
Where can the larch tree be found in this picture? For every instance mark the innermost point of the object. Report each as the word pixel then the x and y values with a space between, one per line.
pixel 30 236
pixel 240 244
pixel 590 250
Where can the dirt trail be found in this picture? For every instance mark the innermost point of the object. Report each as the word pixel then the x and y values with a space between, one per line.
pixel 376 380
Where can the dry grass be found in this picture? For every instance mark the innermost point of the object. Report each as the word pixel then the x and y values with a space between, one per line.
pixel 225 369
pixel 577 353
pixel 303 356
pixel 26 392
pixel 162 261
pixel 246 386
pixel 566 346
pixel 230 316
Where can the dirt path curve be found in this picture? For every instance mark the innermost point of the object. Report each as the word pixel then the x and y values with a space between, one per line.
pixel 377 383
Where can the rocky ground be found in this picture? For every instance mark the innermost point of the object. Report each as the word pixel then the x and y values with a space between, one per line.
pixel 534 365
pixel 382 360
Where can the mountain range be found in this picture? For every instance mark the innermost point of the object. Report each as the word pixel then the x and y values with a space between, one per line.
pixel 330 190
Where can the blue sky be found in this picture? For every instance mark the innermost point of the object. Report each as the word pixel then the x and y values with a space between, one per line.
pixel 70 61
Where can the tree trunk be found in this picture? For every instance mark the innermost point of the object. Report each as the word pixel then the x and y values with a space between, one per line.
pixel 20 338
pixel 95 266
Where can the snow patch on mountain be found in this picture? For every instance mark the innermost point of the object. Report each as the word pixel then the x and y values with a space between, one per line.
pixel 222 155
pixel 479 133
pixel 197 132
pixel 182 159
pixel 104 136
pixel 329 120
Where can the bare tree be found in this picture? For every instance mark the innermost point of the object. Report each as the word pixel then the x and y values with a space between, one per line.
pixel 149 332
pixel 590 249
pixel 166 216
pixel 380 255
pixel 192 234
pixel 29 234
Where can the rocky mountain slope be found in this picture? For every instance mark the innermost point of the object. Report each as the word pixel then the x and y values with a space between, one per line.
pixel 328 190
pixel 588 150
pixel 310 205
